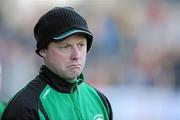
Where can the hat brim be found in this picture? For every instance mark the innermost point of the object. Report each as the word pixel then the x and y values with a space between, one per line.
pixel 71 32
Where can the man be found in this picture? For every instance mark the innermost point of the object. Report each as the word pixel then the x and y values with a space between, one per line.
pixel 59 91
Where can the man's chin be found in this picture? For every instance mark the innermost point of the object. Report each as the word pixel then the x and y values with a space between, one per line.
pixel 74 75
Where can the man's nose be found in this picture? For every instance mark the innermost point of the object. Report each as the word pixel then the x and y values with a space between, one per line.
pixel 75 53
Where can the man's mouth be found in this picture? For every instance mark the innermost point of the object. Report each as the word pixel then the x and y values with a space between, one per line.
pixel 74 66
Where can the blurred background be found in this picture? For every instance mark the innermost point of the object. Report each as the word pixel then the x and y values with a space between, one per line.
pixel 135 58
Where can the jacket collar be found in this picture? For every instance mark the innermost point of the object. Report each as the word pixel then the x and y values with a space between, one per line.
pixel 57 82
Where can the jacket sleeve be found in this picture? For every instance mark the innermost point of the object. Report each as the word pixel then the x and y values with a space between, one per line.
pixel 106 103
pixel 20 110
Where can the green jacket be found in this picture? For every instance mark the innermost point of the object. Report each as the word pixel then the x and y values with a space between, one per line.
pixel 50 97
pixel 2 106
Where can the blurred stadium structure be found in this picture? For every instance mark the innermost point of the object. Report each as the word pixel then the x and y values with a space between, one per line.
pixel 135 57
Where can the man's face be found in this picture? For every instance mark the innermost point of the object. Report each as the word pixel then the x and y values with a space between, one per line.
pixel 66 58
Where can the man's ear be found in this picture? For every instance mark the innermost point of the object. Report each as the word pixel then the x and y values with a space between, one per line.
pixel 42 52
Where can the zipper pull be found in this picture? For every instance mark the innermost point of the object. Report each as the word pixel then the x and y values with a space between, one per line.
pixel 74 87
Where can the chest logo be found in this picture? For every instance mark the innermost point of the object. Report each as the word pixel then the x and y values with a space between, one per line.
pixel 46 93
pixel 98 117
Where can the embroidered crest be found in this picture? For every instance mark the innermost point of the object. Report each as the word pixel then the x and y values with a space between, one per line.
pixel 98 117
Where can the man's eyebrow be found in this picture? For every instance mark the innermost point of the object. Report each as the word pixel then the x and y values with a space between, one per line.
pixel 83 40
pixel 65 42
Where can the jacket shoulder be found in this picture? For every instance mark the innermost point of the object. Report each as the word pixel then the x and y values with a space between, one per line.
pixel 24 105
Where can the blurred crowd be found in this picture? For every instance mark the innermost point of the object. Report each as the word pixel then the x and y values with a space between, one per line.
pixel 136 43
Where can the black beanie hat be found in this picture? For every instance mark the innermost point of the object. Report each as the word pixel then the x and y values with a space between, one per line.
pixel 59 23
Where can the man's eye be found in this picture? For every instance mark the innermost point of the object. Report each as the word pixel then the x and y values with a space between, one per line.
pixel 82 44
pixel 65 46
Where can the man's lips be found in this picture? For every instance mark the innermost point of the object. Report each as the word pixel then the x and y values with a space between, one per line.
pixel 74 66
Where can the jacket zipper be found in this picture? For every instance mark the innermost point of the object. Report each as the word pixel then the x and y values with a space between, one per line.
pixel 74 101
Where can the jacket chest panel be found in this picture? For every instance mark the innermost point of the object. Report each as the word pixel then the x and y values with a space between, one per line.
pixel 78 105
